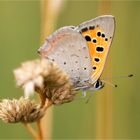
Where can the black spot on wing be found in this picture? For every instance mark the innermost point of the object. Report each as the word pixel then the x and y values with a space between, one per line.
pixel 84 29
pixel 98 34
pixel 94 40
pixel 96 59
pixel 94 68
pixel 106 39
pixel 88 38
pixel 103 35
pixel 99 49
pixel 91 27
pixel 72 27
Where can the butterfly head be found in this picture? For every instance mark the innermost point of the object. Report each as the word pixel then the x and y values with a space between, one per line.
pixel 98 85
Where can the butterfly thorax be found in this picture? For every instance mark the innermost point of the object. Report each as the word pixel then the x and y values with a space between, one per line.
pixel 89 86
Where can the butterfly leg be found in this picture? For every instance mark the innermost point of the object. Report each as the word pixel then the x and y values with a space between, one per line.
pixel 84 93
pixel 89 97
pixel 84 96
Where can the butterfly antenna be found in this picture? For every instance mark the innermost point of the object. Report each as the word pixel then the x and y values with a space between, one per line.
pixel 114 85
pixel 122 76
pixel 130 75
pixel 109 83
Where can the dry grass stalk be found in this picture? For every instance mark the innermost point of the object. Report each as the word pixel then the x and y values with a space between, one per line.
pixel 50 10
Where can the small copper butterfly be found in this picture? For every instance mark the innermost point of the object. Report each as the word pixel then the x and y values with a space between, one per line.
pixel 82 50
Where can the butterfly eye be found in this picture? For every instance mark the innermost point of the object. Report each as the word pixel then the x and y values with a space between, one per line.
pixel 98 84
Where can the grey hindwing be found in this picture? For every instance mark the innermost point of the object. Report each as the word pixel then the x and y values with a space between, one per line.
pixel 71 53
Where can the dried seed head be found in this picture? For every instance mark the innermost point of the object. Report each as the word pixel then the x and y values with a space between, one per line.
pixel 47 79
pixel 31 74
pixel 22 110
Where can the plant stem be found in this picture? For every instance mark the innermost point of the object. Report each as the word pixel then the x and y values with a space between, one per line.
pixel 31 130
pixel 40 131
pixel 48 104
pixel 40 127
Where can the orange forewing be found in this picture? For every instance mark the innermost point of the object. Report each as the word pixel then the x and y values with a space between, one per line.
pixel 101 41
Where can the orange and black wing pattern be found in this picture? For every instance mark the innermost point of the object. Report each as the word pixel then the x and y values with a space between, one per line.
pixel 98 36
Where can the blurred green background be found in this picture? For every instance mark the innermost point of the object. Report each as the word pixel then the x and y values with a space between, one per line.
pixel 20 31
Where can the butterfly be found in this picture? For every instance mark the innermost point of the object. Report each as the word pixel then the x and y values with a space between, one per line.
pixel 81 51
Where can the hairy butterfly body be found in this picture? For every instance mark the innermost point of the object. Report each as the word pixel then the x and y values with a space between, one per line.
pixel 82 50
